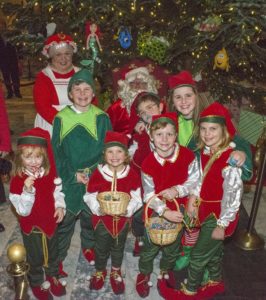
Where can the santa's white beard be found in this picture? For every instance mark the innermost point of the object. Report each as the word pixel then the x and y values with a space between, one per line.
pixel 128 98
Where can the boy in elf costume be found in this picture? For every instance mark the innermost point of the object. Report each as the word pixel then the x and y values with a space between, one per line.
pixel 169 172
pixel 35 192
pixel 217 208
pixel 78 139
pixel 111 231
pixel 145 105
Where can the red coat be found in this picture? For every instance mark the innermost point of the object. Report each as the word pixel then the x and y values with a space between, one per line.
pixel 142 151
pixel 212 190
pixel 98 184
pixel 119 117
pixel 45 96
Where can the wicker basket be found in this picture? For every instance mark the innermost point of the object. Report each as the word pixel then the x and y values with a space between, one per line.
pixel 112 202
pixel 161 231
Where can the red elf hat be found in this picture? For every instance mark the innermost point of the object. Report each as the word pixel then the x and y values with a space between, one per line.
pixel 58 40
pixel 168 117
pixel 217 113
pixel 113 138
pixel 38 137
pixel 184 78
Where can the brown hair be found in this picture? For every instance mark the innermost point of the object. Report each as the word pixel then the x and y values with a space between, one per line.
pixel 18 168
pixel 197 109
pixel 148 97
pixel 226 139
pixel 159 125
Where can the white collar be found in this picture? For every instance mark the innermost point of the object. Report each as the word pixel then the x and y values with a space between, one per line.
pixel 172 158
pixel 108 174
pixel 76 110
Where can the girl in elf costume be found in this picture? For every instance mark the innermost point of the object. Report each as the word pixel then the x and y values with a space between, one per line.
pixel 185 100
pixel 111 231
pixel 78 139
pixel 216 208
pixel 169 172
pixel 35 192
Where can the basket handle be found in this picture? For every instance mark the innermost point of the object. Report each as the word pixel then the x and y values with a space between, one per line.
pixel 114 182
pixel 149 201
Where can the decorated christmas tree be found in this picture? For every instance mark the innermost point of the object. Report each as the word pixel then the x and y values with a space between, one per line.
pixel 221 42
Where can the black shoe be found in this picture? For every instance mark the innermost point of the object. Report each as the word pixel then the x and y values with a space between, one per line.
pixel 18 95
pixel 9 96
pixel 2 227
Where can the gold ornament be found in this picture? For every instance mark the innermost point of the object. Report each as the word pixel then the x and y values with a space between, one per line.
pixel 18 269
pixel 16 253
pixel 221 60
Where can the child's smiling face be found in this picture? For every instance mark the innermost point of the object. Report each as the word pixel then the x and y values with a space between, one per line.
pixel 32 159
pixel 115 157
pixel 164 139
pixel 147 109
pixel 81 95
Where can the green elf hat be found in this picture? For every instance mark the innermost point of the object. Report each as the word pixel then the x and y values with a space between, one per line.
pixel 83 75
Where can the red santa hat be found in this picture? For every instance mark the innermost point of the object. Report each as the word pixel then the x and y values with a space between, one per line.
pixel 57 41
pixel 217 113
pixel 38 137
pixel 168 117
pixel 131 74
pixel 184 78
pixel 113 138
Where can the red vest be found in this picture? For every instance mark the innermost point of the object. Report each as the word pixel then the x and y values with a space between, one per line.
pixel 169 174
pixel 42 214
pixel 98 184
pixel 212 190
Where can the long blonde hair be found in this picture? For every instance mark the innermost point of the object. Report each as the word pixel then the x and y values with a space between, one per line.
pixel 226 138
pixel 28 150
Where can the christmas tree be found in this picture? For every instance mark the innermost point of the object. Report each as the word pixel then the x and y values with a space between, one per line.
pixel 223 42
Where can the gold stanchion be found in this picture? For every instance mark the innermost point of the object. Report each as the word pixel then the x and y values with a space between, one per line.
pixel 248 239
pixel 18 269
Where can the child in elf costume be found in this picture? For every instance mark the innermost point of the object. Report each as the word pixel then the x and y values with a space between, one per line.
pixel 111 231
pixel 35 192
pixel 145 105
pixel 184 99
pixel 217 208
pixel 78 139
pixel 169 172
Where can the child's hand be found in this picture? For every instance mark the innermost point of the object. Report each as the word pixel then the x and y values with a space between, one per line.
pixel 139 127
pixel 59 214
pixel 82 178
pixel 239 157
pixel 169 194
pixel 218 233
pixel 28 183
pixel 173 216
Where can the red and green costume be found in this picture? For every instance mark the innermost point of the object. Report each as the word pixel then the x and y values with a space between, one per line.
pixel 110 231
pixel 77 140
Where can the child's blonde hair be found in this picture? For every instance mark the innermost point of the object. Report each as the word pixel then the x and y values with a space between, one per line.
pixel 28 150
pixel 226 139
